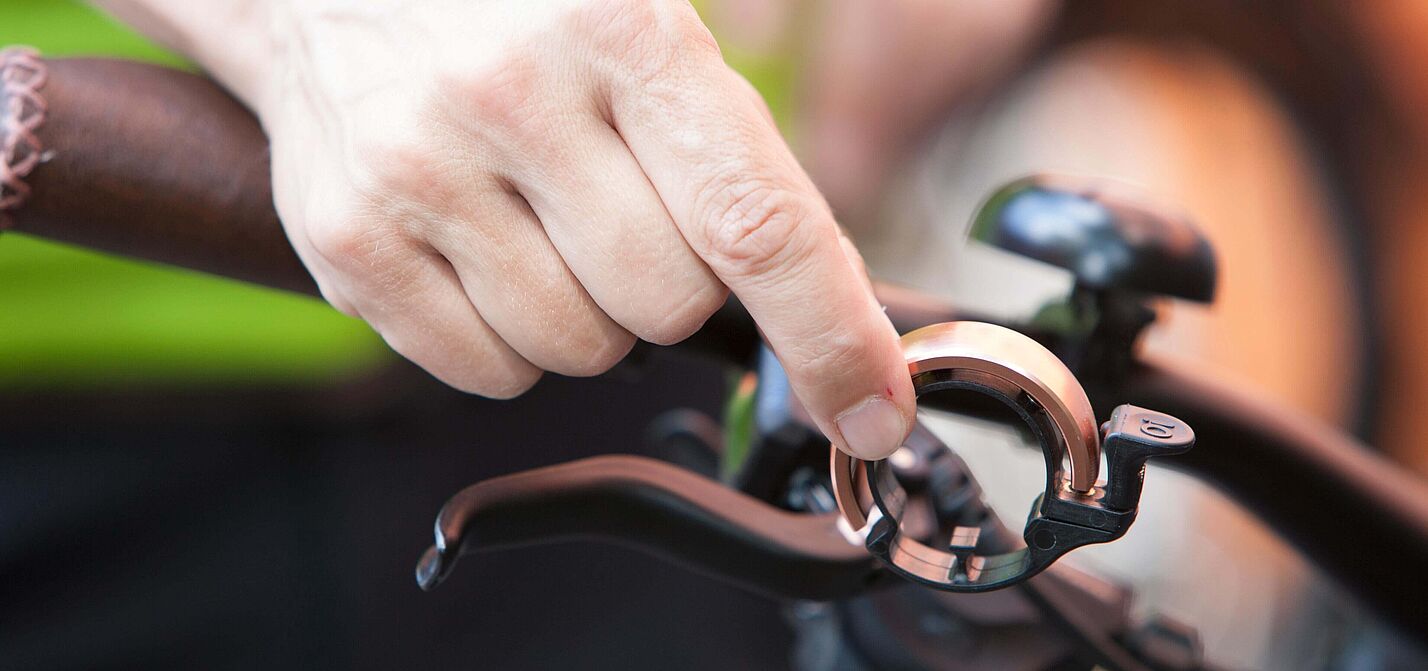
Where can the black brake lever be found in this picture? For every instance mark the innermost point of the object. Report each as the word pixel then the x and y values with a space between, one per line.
pixel 656 507
pixel 703 525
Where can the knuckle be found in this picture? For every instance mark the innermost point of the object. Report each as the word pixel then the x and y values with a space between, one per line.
pixel 410 188
pixel 752 227
pixel 648 38
pixel 506 385
pixel 694 34
pixel 355 228
pixel 361 247
pixel 387 170
pixel 504 92
pixel 487 373
pixel 679 26
pixel 829 357
pixel 590 356
pixel 492 104
pixel 337 300
pixel 685 318
pixel 555 325
pixel 340 239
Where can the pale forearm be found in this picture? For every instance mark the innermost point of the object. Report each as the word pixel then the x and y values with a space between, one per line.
pixel 231 39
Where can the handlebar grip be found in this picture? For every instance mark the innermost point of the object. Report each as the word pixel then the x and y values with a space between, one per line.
pixel 161 164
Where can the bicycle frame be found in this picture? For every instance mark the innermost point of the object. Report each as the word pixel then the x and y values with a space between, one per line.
pixel 163 165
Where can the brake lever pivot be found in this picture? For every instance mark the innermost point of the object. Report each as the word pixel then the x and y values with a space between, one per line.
pixel 1076 508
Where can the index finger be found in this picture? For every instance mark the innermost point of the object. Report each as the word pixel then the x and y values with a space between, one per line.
pixel 739 197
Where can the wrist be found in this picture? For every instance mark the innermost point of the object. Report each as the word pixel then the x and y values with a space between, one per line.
pixel 354 61
pixel 234 41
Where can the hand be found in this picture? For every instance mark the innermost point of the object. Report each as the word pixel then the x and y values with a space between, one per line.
pixel 505 187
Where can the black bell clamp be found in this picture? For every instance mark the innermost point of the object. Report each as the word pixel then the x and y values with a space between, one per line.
pixel 1076 508
pixel 1121 253
pixel 1109 240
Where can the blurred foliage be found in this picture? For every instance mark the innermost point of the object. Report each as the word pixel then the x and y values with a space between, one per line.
pixel 771 74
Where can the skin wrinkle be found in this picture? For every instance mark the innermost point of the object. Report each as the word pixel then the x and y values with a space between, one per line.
pixel 726 200
pixel 500 103
pixel 724 176
pixel 754 227
pixel 424 171
pixel 464 137
pixel 667 83
pixel 686 318
pixel 644 44
pixel 836 351
pixel 819 330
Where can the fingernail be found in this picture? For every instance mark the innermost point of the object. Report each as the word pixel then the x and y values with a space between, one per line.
pixel 872 429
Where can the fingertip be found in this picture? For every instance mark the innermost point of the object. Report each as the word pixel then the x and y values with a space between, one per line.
pixel 509 387
pixel 873 428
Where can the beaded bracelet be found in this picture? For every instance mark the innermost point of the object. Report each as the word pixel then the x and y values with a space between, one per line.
pixel 22 112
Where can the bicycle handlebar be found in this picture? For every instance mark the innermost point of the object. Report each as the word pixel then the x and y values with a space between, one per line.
pixel 159 164
pixel 163 165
